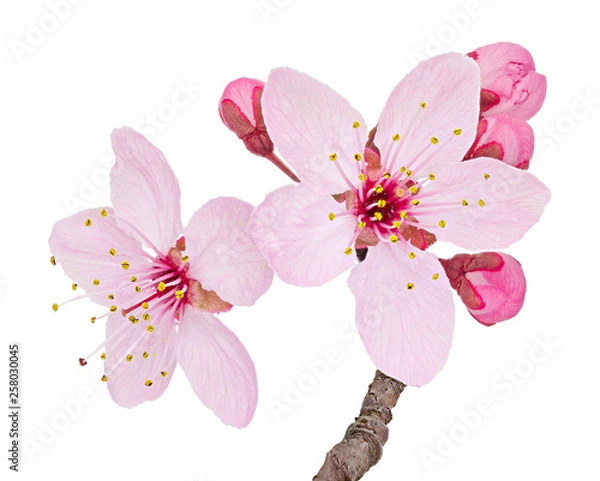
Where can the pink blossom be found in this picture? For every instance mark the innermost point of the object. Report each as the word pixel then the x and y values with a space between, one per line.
pixel 509 82
pixel 491 284
pixel 505 138
pixel 395 191
pixel 241 112
pixel 161 283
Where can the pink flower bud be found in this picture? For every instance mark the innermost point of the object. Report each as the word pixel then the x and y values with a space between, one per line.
pixel 491 284
pixel 241 111
pixel 509 82
pixel 505 138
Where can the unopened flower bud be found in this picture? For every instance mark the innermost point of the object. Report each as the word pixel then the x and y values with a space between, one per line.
pixel 505 138
pixel 491 284
pixel 241 111
pixel 509 82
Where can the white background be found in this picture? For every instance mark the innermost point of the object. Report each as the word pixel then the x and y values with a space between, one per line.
pixel 101 65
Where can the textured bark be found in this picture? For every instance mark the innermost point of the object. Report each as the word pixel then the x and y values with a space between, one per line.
pixel 362 446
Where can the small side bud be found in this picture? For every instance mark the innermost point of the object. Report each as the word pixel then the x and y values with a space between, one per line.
pixel 241 111
pixel 491 285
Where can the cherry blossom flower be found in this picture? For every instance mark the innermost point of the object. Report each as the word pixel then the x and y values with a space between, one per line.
pixel 241 111
pixel 161 283
pixel 511 93
pixel 396 191
pixel 491 284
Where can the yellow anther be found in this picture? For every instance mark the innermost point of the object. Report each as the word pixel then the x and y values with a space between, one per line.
pixel 103 356
pixel 378 216
pixel 386 175
pixel 55 307
pixel 442 223
pixel 104 378
pixel 362 177
pixel 434 140
pixel 145 354
pixel 74 286
pixel 138 289
pixel 103 213
pixel 145 305
pixel 150 328
pixel 125 265
pixel 397 224
pixel 93 319
pixel 435 277
pixel 132 318
pixel 179 294
pixel 113 308
pixel 333 157
pixel 112 251
pixel 400 192
pixel 423 105
pixel 414 189
pixel 402 169
pixel 356 125
pixel 362 225
pixel 348 251
pixel 357 157
pixel 146 316
pixel 396 137
pixel 88 222
pixel 148 383
pixel 457 131
pixel 164 373
pixel 381 203
pixel 415 202
pixel 410 286
pixel 53 260
pixel 409 173
pixel 412 255
pixel 486 176
pixel 129 358
pixel 393 238
pixel 331 216
pixel 403 214
pixel 431 177
pixel 133 278
pixel 481 202
pixel 464 202
pixel 96 282
pixel 379 189
pixel 185 258
pixel 161 286
pixel 111 297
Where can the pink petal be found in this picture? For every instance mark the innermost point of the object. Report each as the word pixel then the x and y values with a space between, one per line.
pixel 83 244
pixel 510 137
pixel 218 367
pixel 152 358
pixel 240 94
pixel 223 256
pixel 309 122
pixel 144 190
pixel 502 203
pixel 293 230
pixel 434 110
pixel 508 72
pixel 407 332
